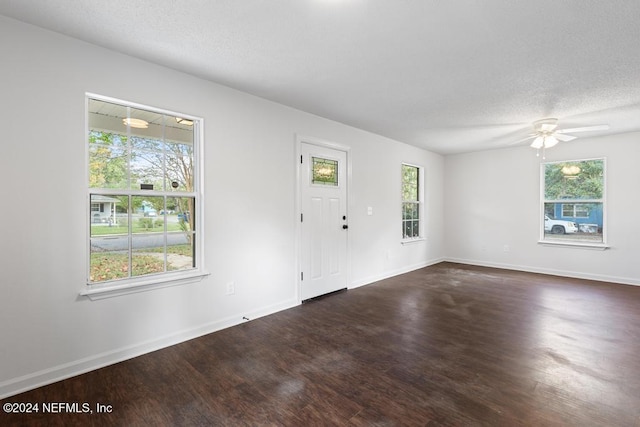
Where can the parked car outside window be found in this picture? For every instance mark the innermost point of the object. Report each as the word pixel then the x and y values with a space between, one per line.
pixel 558 226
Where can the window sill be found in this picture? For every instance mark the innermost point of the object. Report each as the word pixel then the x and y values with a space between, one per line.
pixel 592 246
pixel 410 241
pixel 97 292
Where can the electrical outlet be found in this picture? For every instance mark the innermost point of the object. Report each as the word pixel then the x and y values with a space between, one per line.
pixel 231 288
pixel 506 248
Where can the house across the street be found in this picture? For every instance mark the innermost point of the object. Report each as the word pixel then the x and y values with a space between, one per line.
pixel 103 209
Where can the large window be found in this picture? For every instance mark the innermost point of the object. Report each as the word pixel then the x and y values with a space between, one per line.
pixel 574 201
pixel 411 202
pixel 143 192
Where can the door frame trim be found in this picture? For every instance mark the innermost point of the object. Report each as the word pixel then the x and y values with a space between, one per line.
pixel 299 140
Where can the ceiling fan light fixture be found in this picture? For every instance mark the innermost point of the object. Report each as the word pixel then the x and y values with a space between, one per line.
pixel 550 141
pixel 184 121
pixel 135 123
pixel 572 170
pixel 538 142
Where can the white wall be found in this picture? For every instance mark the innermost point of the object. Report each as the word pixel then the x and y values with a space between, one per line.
pixel 375 238
pixel 493 199
pixel 47 330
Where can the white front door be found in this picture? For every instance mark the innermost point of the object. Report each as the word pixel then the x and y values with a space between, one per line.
pixel 323 193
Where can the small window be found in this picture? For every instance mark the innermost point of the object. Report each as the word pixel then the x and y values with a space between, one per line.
pixel 574 201
pixel 577 210
pixel 143 192
pixel 324 171
pixel 411 202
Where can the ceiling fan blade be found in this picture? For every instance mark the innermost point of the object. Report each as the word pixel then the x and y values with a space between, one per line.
pixel 522 140
pixel 584 129
pixel 564 138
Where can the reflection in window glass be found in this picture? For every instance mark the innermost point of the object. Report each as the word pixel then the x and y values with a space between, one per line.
pixel 179 166
pixel 108 161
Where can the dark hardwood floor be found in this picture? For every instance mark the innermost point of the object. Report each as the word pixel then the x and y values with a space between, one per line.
pixel 447 345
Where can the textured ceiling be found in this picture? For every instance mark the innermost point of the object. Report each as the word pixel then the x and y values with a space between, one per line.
pixel 451 76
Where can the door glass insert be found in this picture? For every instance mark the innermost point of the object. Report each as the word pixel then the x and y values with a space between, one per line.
pixel 324 171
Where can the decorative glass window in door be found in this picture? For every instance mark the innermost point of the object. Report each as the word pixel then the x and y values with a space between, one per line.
pixel 324 171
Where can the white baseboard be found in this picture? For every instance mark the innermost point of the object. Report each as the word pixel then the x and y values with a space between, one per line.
pixel 551 271
pixel 61 372
pixel 372 279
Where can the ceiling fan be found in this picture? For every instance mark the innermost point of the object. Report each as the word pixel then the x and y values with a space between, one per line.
pixel 546 135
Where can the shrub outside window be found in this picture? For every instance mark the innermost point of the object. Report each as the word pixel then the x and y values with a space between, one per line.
pixel 574 201
pixel 143 192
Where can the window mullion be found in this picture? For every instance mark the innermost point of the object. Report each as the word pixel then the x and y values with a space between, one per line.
pixel 165 179
pixel 130 235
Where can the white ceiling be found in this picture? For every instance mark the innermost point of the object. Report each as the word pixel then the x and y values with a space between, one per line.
pixel 449 76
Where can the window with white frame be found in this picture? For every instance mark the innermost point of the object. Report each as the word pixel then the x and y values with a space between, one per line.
pixel 574 201
pixel 411 202
pixel 575 210
pixel 143 193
